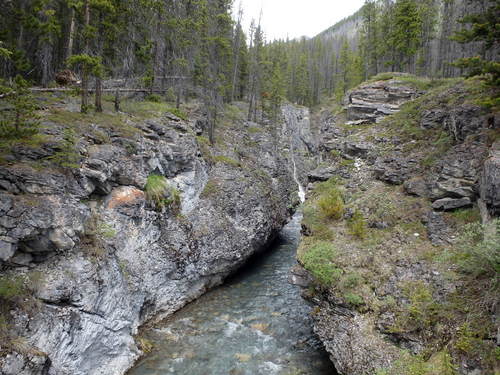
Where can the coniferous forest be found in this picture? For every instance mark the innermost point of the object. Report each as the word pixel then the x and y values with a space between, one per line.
pixel 197 48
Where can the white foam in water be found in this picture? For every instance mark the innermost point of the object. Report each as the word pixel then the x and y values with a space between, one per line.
pixel 273 368
pixel 231 329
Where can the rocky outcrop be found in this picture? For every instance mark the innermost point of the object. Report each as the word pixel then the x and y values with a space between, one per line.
pixel 110 258
pixel 372 101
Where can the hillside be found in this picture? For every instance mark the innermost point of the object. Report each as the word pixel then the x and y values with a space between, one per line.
pixel 393 237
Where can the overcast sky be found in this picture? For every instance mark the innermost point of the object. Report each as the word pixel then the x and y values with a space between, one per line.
pixel 296 18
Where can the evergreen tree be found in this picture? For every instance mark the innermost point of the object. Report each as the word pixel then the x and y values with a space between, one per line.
pixel 20 119
pixel 483 27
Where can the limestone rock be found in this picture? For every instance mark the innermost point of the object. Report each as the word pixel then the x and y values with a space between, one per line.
pixel 448 204
pixel 371 101
pixel 490 180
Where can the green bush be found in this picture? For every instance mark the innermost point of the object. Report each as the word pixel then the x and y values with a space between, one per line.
pixel 357 225
pixel 319 260
pixel 331 204
pixel 155 98
pixel 156 188
pixel 211 188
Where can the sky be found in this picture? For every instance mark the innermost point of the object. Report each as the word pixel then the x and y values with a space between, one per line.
pixel 296 18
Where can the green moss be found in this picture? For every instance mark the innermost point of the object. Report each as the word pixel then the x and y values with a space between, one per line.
pixel 439 364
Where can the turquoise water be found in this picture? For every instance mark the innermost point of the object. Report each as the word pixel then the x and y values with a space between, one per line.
pixel 257 323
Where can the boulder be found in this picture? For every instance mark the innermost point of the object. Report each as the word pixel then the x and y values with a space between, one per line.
pixel 417 186
pixel 448 204
pixel 321 174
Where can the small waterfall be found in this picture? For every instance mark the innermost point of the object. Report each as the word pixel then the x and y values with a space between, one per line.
pixel 302 192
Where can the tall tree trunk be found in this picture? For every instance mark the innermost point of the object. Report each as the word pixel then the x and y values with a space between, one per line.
pixel 85 89
pixel 98 94
pixel 86 24
pixel 71 35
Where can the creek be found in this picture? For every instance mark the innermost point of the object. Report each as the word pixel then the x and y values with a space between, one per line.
pixel 256 323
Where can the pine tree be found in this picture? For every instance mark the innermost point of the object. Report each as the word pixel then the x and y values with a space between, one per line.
pixel 407 33
pixel 20 120
pixel 483 27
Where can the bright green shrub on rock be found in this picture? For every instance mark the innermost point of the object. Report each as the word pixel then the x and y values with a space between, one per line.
pixel 319 260
pixel 357 225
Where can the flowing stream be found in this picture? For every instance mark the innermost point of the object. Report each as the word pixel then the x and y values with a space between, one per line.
pixel 256 323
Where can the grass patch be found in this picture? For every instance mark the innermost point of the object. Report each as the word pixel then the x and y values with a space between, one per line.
pixel 161 194
pixel 178 112
pixel 227 160
pixel 439 364
pixel 354 299
pixel 464 216
pixel 211 188
pixel 254 130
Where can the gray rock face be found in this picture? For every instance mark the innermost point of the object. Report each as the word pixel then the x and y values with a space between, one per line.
pixel 396 168
pixel 372 101
pixel 110 261
pixel 490 180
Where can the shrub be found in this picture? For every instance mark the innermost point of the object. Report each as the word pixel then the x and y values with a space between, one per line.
pixel 422 311
pixel 155 98
pixel 331 204
pixel 357 225
pixel 170 95
pixel 97 232
pixel 351 280
pixel 319 260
